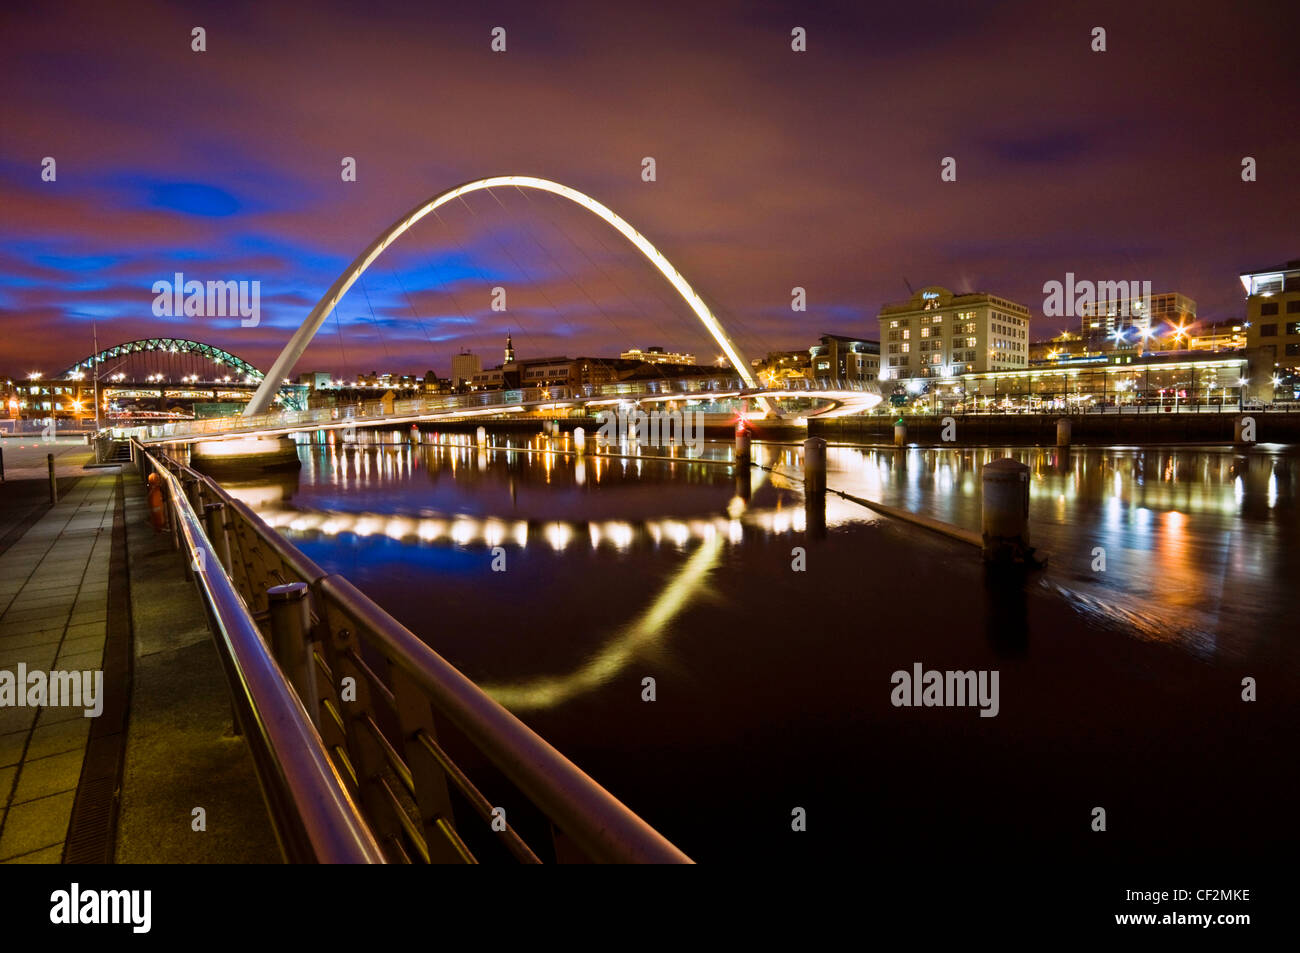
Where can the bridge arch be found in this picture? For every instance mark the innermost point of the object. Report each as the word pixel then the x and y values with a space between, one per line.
pixel 169 345
pixel 261 401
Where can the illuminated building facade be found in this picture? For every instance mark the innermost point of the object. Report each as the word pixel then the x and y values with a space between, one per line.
pixel 940 334
pixel 1153 322
pixel 1218 336
pixel 840 358
pixel 657 355
pixel 1159 382
pixel 1273 329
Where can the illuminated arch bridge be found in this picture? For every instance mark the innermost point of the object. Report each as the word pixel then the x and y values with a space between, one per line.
pixel 174 362
pixel 293 350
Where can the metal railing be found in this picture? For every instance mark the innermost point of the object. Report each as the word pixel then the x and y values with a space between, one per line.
pixel 418 746
pixel 312 812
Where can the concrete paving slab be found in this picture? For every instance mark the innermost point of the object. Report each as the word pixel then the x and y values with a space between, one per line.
pixel 58 737
pixel 47 855
pixel 42 777
pixel 11 752
pixel 35 825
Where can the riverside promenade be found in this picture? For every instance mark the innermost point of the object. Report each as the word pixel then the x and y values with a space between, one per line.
pixel 88 585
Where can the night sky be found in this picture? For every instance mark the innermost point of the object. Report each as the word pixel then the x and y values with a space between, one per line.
pixel 774 168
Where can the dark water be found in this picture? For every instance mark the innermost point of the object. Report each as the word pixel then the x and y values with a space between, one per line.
pixel 1118 688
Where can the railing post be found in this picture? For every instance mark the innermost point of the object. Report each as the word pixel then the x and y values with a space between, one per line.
pixel 173 517
pixel 428 782
pixel 194 490
pixel 290 643
pixel 215 524
pixel 54 480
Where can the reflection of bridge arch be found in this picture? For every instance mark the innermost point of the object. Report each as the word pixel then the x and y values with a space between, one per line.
pixel 170 346
pixel 261 401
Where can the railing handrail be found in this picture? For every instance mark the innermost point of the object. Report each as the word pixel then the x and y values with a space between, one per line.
pixel 603 826
pixel 314 815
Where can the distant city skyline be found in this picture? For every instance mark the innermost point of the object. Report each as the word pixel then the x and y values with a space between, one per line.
pixel 774 170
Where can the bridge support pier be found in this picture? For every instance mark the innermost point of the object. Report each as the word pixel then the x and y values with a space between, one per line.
pixel 245 453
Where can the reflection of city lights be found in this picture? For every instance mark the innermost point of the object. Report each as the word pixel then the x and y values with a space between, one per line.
pixel 558 535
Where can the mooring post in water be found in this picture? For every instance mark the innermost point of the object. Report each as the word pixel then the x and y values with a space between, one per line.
pixel 814 465
pixel 1063 429
pixel 742 443
pixel 900 433
pixel 1004 517
pixel 1243 431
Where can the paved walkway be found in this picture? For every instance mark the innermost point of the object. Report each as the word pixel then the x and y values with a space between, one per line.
pixel 181 752
pixel 53 616
pixel 25 490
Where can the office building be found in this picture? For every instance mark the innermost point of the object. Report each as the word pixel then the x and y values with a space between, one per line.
pixel 840 358
pixel 940 334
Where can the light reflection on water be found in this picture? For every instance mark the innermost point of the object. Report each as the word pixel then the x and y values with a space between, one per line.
pixel 1191 545
pixel 1186 545
pixel 774 684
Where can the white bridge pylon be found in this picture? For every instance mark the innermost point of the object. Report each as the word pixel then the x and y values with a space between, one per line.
pixel 261 401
